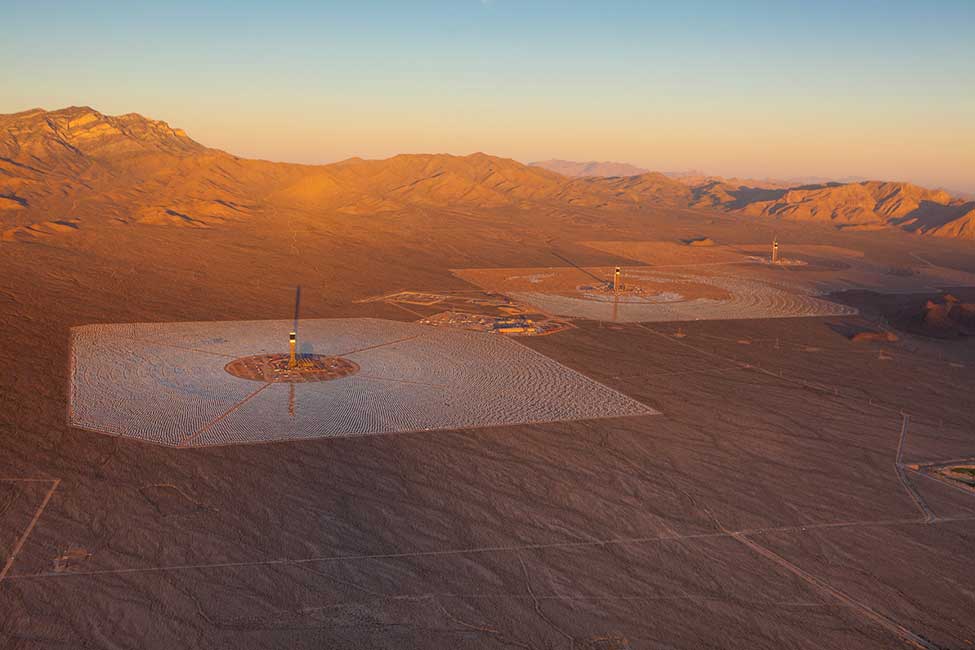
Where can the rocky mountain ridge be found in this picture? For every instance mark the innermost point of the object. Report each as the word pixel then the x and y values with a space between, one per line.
pixel 137 169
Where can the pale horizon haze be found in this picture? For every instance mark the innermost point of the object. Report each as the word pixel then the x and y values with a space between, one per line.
pixel 880 90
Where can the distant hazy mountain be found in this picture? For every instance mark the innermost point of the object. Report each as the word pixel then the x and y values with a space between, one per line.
pixel 795 181
pixel 696 177
pixel 687 173
pixel 62 170
pixel 959 194
pixel 591 168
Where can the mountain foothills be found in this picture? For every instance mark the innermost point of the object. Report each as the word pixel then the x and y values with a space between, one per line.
pixel 58 165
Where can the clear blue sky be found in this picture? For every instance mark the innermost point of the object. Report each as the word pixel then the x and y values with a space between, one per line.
pixel 879 89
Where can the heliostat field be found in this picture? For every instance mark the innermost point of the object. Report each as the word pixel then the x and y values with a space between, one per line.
pixel 179 384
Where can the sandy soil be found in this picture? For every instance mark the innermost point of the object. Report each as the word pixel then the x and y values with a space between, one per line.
pixel 764 509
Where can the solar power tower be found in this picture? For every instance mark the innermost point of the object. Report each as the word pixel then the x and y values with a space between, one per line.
pixel 293 337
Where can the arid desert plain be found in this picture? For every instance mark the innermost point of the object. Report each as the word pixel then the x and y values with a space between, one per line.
pixel 493 446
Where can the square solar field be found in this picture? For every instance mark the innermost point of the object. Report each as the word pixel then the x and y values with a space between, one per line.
pixel 175 383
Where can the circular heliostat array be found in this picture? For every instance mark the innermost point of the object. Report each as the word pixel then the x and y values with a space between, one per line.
pixel 277 368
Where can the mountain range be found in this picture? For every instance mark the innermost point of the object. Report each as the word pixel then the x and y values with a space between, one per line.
pixel 55 164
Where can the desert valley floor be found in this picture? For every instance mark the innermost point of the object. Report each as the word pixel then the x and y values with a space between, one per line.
pixel 764 485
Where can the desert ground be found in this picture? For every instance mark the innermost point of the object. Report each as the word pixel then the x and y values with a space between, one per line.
pixel 771 490
pixel 768 505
